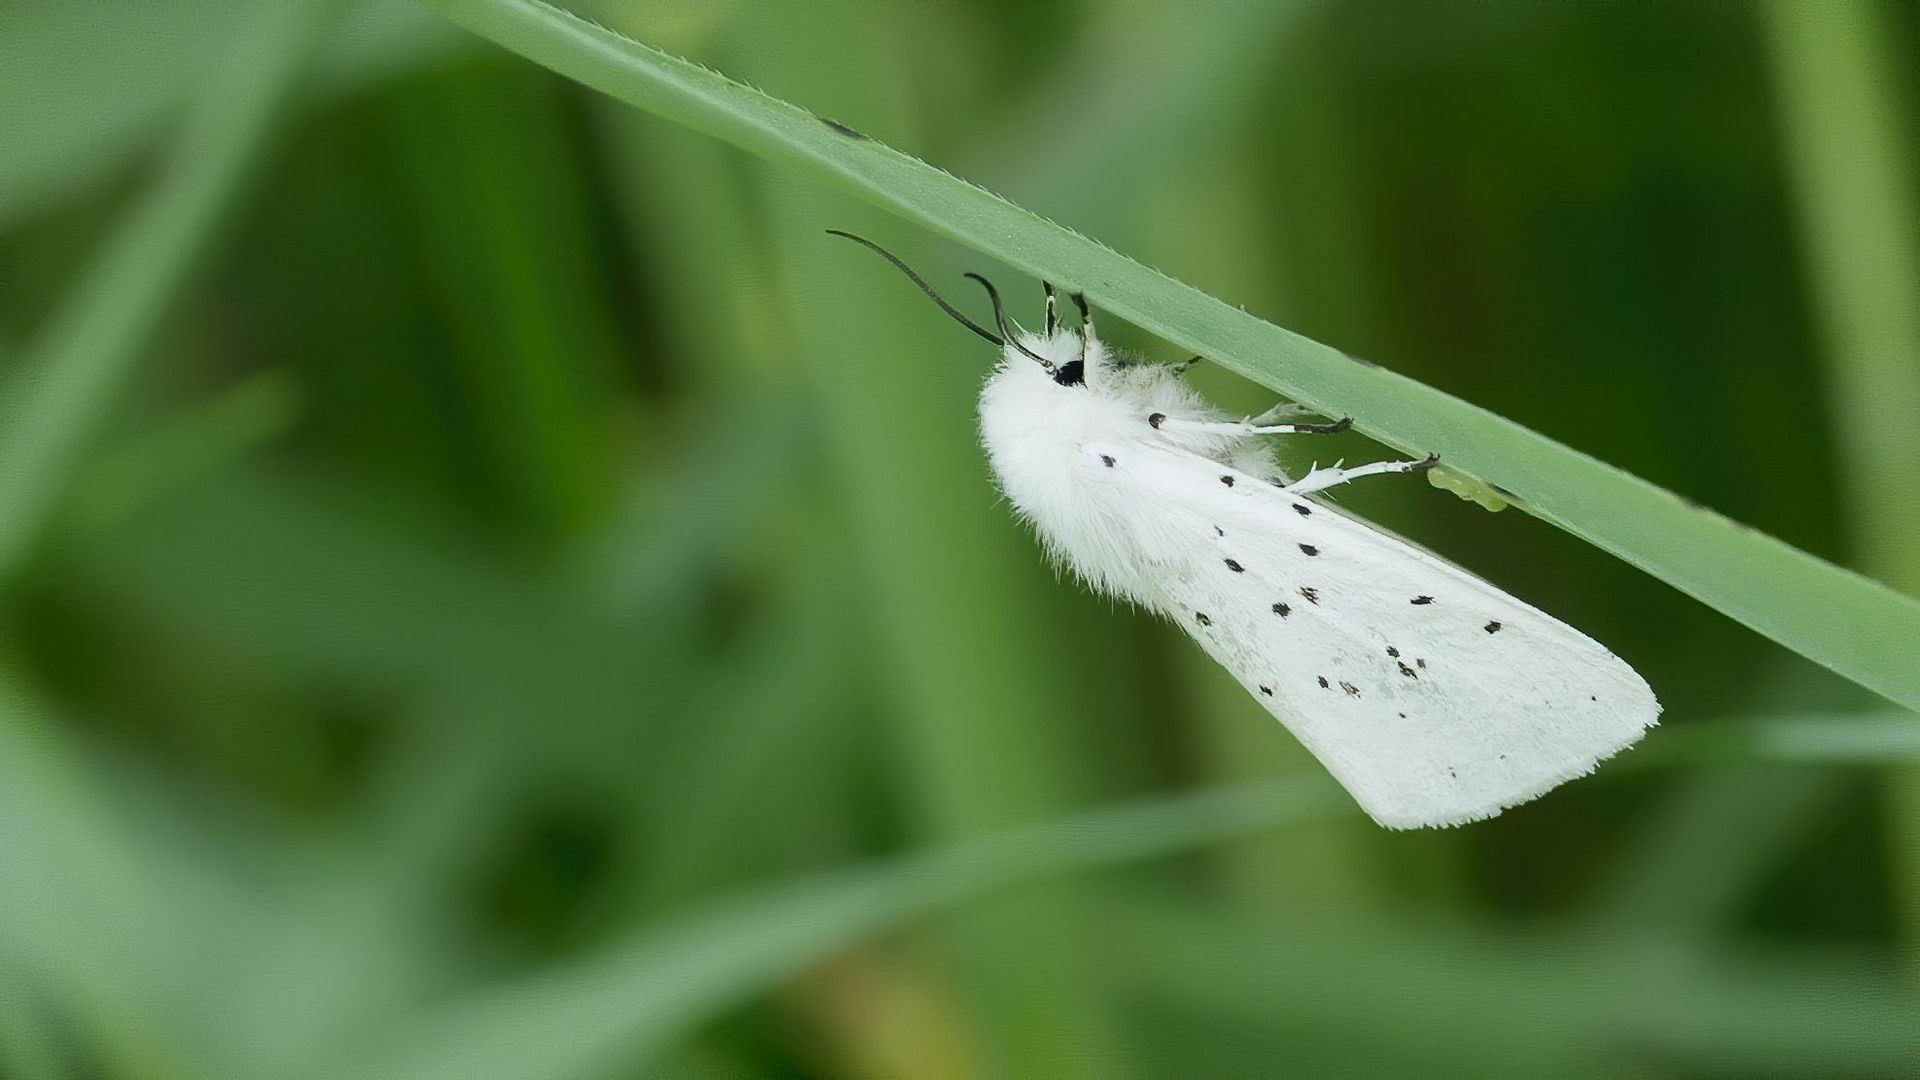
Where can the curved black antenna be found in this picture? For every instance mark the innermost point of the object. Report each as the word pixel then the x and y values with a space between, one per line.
pixel 924 287
pixel 1000 320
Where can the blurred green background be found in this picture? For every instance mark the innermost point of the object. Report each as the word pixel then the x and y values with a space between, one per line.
pixel 488 588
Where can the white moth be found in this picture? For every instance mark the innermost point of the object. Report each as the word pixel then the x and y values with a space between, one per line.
pixel 1434 697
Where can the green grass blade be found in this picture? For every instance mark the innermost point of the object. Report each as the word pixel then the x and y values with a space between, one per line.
pixel 1860 629
pixel 94 341
pixel 1466 999
pixel 1849 144
pixel 1806 739
pixel 637 999
pixel 88 88
pixel 83 906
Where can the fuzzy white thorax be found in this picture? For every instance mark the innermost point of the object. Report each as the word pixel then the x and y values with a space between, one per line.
pixel 1036 432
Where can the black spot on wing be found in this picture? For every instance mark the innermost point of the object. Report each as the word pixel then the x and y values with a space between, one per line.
pixel 1309 549
pixel 1493 627
pixel 1281 610
pixel 1393 652
pixel 1302 509
pixel 1323 683
pixel 1312 594
pixel 1419 600
pixel 1156 419
pixel 1218 531
pixel 1267 690
pixel 1407 671
pixel 1352 690
pixel 1236 567
pixel 1107 460
pixel 1227 480
pixel 1201 618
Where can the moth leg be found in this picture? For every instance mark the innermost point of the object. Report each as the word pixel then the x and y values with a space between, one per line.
pixel 1053 309
pixel 1086 313
pixel 1163 422
pixel 1181 368
pixel 1321 479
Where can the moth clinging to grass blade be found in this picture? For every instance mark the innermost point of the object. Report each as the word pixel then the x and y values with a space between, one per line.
pixel 1434 697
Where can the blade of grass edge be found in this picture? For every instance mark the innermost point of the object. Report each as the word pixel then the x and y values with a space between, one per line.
pixel 1853 625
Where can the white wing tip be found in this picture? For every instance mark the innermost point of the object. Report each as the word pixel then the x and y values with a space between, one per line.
pixel 1406 818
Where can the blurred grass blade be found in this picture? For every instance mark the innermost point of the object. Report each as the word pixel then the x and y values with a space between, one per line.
pixel 93 342
pixel 1462 1000
pixel 173 454
pixel 1849 147
pixel 66 136
pixel 1174 77
pixel 1810 739
pixel 80 903
pixel 638 999
pixel 1855 626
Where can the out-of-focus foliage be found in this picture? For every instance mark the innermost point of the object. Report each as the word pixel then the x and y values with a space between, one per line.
pixel 488 592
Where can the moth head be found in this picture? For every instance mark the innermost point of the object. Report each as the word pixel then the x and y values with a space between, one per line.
pixel 1062 354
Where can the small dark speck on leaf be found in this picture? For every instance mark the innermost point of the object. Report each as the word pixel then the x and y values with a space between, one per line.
pixel 839 128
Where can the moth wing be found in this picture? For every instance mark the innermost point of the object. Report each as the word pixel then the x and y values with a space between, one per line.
pixel 1434 697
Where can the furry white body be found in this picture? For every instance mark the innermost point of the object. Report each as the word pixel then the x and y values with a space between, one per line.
pixel 1435 698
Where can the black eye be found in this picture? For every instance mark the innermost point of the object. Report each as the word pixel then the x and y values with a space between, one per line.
pixel 1073 373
